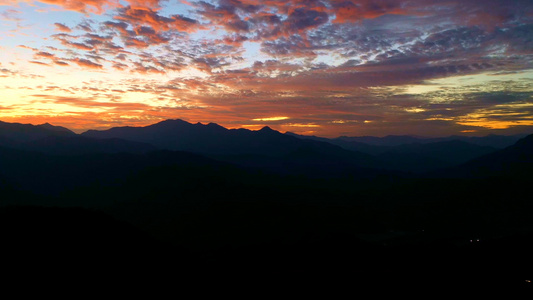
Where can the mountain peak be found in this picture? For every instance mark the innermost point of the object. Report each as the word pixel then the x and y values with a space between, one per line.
pixel 214 127
pixel 51 127
pixel 173 121
pixel 266 129
pixel 170 123
pixel 526 142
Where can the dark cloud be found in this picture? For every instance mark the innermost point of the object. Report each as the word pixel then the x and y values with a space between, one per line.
pixel 120 66
pixel 226 14
pixel 69 41
pixel 293 46
pixel 121 27
pixel 38 62
pixel 302 19
pixel 44 54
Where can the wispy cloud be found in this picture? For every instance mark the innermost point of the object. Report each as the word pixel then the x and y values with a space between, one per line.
pixel 327 66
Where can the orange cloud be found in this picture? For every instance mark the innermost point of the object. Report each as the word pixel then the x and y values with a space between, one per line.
pixel 86 6
pixel 60 63
pixel 357 10
pixel 62 27
pixel 138 17
pixel 38 63
pixel 87 63
pixel 91 6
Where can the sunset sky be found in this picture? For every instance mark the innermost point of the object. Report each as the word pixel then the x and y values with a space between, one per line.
pixel 315 67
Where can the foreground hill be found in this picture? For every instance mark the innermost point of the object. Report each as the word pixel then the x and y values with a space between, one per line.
pixel 73 241
pixel 53 174
pixel 513 161
pixel 219 219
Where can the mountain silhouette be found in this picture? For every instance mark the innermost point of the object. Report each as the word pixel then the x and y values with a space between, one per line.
pixel 513 161
pixel 347 144
pixel 390 140
pixel 53 174
pixel 17 133
pixel 241 146
pixel 491 140
pixel 51 127
pixel 413 154
pixel 126 196
pixel 79 145
pixel 210 138
pixel 50 139
pixel 431 156
pixel 494 141
pixel 265 149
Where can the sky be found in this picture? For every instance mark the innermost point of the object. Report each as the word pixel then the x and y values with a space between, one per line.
pixel 315 67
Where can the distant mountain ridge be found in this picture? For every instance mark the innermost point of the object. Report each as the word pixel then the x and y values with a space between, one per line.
pixel 26 132
pixel 17 132
pixel 495 141
pixel 215 139
pixel 513 161
pixel 265 149
pixel 417 154
pixel 51 127
pixel 430 156
pixel 50 139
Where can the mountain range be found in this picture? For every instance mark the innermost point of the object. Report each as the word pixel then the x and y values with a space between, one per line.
pixel 204 199
pixel 264 149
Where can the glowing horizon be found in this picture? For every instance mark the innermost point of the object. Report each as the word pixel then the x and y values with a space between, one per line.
pixel 321 67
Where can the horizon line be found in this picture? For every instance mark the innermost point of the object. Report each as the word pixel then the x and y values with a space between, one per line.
pixel 78 132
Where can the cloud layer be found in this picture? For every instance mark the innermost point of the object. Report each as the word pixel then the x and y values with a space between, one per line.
pixel 325 67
